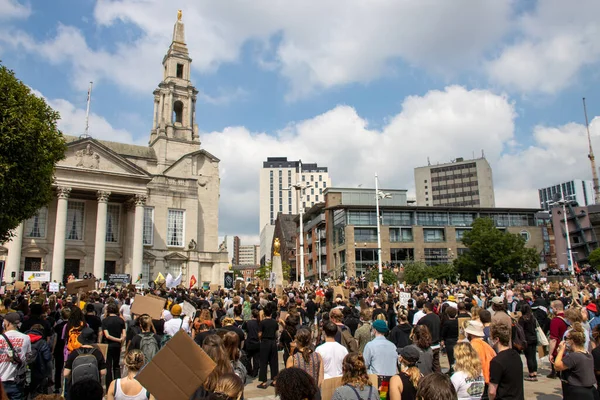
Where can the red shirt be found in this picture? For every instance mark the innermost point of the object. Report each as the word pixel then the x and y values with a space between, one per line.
pixel 558 327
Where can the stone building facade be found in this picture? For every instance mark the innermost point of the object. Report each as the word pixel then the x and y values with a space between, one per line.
pixel 124 208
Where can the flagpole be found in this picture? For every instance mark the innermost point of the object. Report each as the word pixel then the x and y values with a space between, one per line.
pixel 87 111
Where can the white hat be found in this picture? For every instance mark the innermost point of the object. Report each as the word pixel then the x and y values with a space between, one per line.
pixel 475 328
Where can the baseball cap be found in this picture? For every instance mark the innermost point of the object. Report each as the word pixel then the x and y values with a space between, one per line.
pixel 497 300
pixel 410 354
pixel 13 318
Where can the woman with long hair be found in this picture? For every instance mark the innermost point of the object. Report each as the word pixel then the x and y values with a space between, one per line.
pixel 148 331
pixel 303 356
pixel 129 388
pixel 468 374
pixel 573 357
pixel 295 384
pixel 403 386
pixel 228 387
pixel 421 339
pixel 213 347
pixel 355 380
pixel 287 335
pixel 529 324
pixel 231 343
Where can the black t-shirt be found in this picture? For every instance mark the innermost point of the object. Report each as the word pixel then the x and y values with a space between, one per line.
pixel 238 331
pixel 200 336
pixel 506 371
pixel 268 327
pixel 432 321
pixel 93 322
pixel 311 310
pixel 31 321
pixel 114 325
pixel 450 330
pixel 252 331
pixel 596 356
pixel 96 353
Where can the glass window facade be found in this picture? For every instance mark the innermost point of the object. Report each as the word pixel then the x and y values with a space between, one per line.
pixel 365 234
pixel 401 235
pixel 175 228
pixel 433 235
pixel 75 212
pixel 432 218
pixel 401 255
pixel 436 256
pixel 365 218
pixel 148 226
pixel 462 219
pixel 35 227
pixel 113 218
pixel 397 218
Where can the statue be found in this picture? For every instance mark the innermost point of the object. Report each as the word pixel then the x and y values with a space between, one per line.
pixel 178 15
pixel 223 245
pixel 87 158
pixel 276 247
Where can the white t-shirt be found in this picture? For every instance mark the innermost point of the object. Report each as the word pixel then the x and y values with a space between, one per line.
pixel 466 388
pixel 418 315
pixel 333 355
pixel 22 345
pixel 126 312
pixel 173 325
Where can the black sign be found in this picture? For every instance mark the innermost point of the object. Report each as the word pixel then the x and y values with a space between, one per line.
pixel 119 278
pixel 228 280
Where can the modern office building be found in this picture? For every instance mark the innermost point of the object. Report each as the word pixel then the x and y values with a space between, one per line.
pixel 577 190
pixel 430 234
pixel 461 183
pixel 277 176
pixel 247 254
pixel 582 223
pixel 315 243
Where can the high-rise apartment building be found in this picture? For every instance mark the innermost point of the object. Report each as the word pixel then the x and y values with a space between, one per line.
pixel 247 254
pixel 277 176
pixel 461 183
pixel 580 191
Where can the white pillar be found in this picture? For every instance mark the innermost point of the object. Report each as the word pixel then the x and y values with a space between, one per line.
pixel 161 105
pixel 154 116
pixel 100 246
pixel 13 261
pixel 138 239
pixel 58 255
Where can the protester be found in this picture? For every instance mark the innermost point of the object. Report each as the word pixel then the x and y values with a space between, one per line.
pixel 213 347
pixel 434 324
pixel 506 369
pixel 449 334
pixel 355 381
pixel 400 334
pixel 267 334
pixel 12 369
pixel 231 344
pixel 558 327
pixel 529 325
pixel 305 358
pixel 147 341
pixel 363 333
pixel 403 386
pixel 468 375
pixel 486 353
pixel 436 386
pixel 113 328
pixel 422 342
pixel 331 352
pixel 573 357
pixel 129 388
pixel 295 384
pixel 380 354
pixel 252 344
pixel 228 387
pixel 87 340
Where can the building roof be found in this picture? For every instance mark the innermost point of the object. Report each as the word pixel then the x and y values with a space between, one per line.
pixel 123 149
pixel 457 161
pixel 442 208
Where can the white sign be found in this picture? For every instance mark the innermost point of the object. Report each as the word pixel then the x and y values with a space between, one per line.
pixel 404 297
pixel 36 276
pixel 272 280
pixel 54 287
pixel 188 309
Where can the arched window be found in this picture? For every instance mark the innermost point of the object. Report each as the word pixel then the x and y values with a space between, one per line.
pixel 178 111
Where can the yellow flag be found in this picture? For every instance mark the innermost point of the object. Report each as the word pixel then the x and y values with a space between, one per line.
pixel 159 278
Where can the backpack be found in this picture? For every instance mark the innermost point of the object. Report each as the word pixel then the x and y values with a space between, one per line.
pixel 148 346
pixel 166 337
pixel 519 341
pixel 85 366
pixel 348 341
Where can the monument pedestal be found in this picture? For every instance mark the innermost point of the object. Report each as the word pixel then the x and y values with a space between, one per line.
pixel 277 270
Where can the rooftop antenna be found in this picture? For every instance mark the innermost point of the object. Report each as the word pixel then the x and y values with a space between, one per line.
pixel 428 162
pixel 591 157
pixel 87 112
pixel 482 154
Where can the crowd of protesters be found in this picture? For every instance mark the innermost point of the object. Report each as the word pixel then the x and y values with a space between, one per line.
pixel 377 341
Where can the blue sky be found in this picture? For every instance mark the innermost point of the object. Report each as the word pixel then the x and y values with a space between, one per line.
pixel 356 86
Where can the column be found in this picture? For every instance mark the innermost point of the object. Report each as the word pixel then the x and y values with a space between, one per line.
pixel 161 105
pixel 154 116
pixel 13 261
pixel 60 234
pixel 170 107
pixel 190 113
pixel 138 238
pixel 100 245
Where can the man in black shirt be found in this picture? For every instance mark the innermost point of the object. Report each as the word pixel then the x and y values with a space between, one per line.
pixel 267 333
pixel 35 318
pixel 113 329
pixel 434 324
pixel 311 309
pixel 92 319
pixel 506 369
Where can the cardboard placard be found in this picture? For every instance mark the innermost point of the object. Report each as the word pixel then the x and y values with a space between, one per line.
pixel 35 285
pixel 151 305
pixel 54 287
pixel 188 309
pixel 338 290
pixel 214 287
pixel 372 287
pixel 346 293
pixel 177 370
pixel 10 288
pixel 19 285
pixel 250 287
pixel 404 297
pixel 329 385
pixel 103 347
pixel 83 285
pixel 462 324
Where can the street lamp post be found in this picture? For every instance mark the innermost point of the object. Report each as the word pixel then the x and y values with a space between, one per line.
pixel 379 195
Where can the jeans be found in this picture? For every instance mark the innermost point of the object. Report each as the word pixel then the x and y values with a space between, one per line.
pixel 530 355
pixel 14 391
pixel 113 368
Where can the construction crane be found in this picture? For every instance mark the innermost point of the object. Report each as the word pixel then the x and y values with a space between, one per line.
pixel 592 158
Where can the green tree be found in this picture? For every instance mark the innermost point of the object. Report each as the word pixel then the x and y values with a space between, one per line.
pixel 264 272
pixel 30 146
pixel 389 277
pixel 414 272
pixel 441 272
pixel 594 258
pixel 494 251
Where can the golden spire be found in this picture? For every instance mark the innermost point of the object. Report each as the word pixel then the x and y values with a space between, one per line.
pixel 178 15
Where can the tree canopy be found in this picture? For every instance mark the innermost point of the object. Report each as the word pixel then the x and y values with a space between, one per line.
pixel 417 272
pixel 594 258
pixel 30 146
pixel 264 272
pixel 389 277
pixel 494 251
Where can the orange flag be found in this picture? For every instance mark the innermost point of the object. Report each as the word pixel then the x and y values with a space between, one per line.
pixel 193 281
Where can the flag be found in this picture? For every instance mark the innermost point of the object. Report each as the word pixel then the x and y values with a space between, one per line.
pixel 169 281
pixel 159 279
pixel 177 281
pixel 193 281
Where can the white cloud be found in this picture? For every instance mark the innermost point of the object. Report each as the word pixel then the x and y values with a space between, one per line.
pixel 13 9
pixel 556 41
pixel 72 122
pixel 314 44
